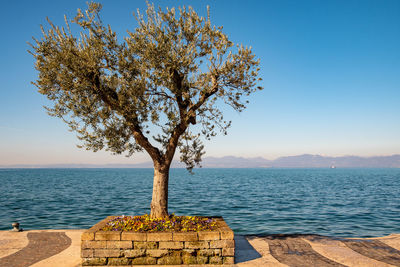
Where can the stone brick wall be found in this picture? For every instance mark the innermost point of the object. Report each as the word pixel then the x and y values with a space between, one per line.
pixel 133 248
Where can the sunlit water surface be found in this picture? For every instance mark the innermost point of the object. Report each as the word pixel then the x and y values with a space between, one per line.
pixel 334 202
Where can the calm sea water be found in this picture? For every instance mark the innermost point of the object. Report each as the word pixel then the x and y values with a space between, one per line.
pixel 334 202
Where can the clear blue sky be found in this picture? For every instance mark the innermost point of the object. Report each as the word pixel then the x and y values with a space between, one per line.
pixel 331 72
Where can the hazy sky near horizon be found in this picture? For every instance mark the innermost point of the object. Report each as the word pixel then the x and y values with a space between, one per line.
pixel 330 69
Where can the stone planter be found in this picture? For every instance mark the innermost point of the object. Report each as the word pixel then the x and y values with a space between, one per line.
pixel 135 248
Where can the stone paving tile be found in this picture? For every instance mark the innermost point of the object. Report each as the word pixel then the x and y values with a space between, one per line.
pixel 375 249
pixel 40 247
pixel 11 242
pixel 392 240
pixel 337 251
pixel 295 252
pixel 259 246
pixel 69 257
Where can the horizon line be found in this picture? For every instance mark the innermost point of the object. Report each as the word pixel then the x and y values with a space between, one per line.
pixel 53 165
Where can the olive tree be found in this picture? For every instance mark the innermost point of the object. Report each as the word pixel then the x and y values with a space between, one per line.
pixel 156 90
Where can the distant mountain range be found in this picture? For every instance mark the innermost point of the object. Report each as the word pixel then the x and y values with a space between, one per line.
pixel 301 161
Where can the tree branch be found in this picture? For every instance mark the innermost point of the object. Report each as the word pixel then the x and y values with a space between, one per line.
pixel 173 141
pixel 162 94
pixel 140 138
pixel 182 104
pixel 205 96
pixel 184 118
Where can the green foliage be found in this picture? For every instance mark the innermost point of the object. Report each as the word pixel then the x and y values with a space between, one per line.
pixel 169 72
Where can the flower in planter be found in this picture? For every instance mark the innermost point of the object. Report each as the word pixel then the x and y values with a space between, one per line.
pixel 173 223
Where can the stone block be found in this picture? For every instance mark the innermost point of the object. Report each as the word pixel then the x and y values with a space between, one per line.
pixel 208 235
pixel 134 253
pixel 159 236
pixel 189 236
pixel 222 224
pixel 228 252
pixel 188 259
pixel 217 251
pixel 206 252
pixel 156 253
pixel 222 244
pixel 106 253
pixel 191 252
pixel 144 261
pixel 202 260
pixel 133 236
pixel 87 253
pixel 197 244
pixel 226 233
pixel 107 235
pixel 173 258
pixel 215 260
pixel 94 261
pixel 119 244
pixel 145 245
pixel 87 236
pixel 93 244
pixel 119 261
pixel 229 260
pixel 170 245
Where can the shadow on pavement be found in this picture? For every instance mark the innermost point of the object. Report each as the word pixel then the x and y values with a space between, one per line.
pixel 244 251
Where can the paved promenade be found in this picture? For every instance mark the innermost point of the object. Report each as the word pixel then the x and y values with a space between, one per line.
pixel 58 248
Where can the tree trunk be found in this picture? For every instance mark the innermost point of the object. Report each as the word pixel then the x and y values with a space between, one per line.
pixel 159 202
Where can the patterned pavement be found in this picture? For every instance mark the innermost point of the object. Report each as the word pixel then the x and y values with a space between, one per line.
pixel 321 251
pixel 62 248
pixel 41 246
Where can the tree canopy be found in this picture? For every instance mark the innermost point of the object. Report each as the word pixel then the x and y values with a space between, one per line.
pixel 170 73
